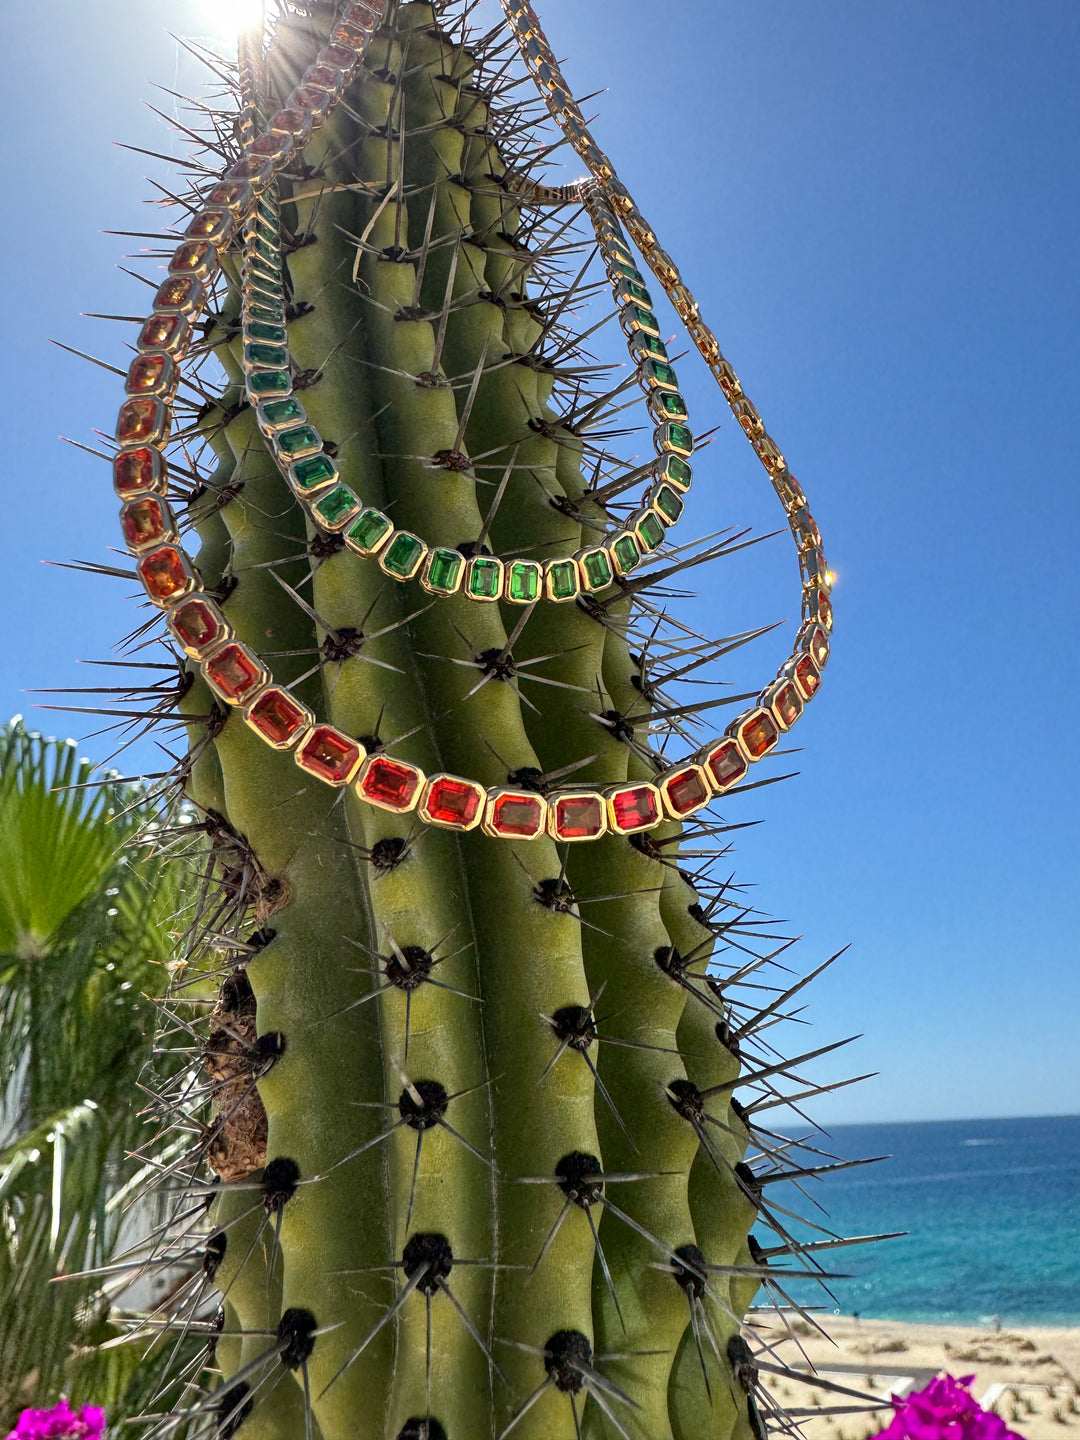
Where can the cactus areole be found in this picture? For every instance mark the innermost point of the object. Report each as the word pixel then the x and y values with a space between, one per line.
pixel 473 1164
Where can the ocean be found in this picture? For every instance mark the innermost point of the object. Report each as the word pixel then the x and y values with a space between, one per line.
pixel 992 1208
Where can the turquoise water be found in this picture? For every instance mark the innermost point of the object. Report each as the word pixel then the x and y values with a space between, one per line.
pixel 993 1211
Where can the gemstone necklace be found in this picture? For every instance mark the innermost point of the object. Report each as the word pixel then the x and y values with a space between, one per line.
pixel 237 675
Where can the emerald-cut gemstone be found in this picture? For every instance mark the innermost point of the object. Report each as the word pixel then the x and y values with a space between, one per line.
pixel 597 570
pixel 627 270
pixel 272 314
pixel 403 556
pixel 265 277
pixel 443 572
pixel 668 503
pixel 674 437
pixel 336 507
pixel 523 581
pixel 562 580
pixel 368 531
pixel 649 531
pixel 267 250
pixel 627 552
pixel 619 246
pixel 314 473
pixel 668 405
pixel 298 441
pixel 485 578
pixel 276 413
pixel 650 345
pixel 638 318
pixel 674 469
pixel 635 291
pixel 261 330
pixel 268 383
pixel 266 357
pixel 657 373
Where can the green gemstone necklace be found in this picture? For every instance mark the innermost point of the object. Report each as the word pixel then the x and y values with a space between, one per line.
pixel 246 198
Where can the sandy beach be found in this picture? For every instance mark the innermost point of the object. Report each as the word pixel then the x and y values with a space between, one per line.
pixel 1029 1375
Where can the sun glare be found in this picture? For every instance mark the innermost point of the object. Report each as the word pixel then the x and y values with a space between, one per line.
pixel 229 17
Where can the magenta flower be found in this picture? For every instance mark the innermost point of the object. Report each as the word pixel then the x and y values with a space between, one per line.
pixel 60 1423
pixel 945 1410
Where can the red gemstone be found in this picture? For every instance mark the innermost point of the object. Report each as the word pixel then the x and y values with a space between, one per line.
pixel 213 225
pixel 277 716
pixel 165 332
pixel 758 734
pixel 296 123
pixel 686 791
pixel 819 608
pixel 636 807
pixel 197 625
pixel 152 374
pixel 234 672
pixel 340 56
pixel 726 764
pixel 137 470
pixel 146 521
pixel 164 574
pixel 194 257
pixel 143 418
pixel 808 676
pixel 350 37
pixel 330 755
pixel 390 784
pixel 579 817
pixel 323 76
pixel 233 193
pixel 817 644
pixel 273 144
pixel 515 814
pixel 786 704
pixel 366 16
pixel 256 169
pixel 452 802
pixel 185 293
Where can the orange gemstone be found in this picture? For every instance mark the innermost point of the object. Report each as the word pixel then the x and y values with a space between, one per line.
pixel 166 332
pixel 138 470
pixel 146 522
pixel 165 574
pixel 817 606
pixel 785 702
pixel 274 144
pixel 194 257
pixel 633 808
pixel 807 676
pixel 234 672
pixel 817 644
pixel 277 717
pixel 726 764
pixel 516 815
pixel 185 293
pixel 758 733
pixel 578 817
pixel 686 790
pixel 452 802
pixel 198 625
pixel 330 755
pixel 215 225
pixel 390 784
pixel 234 194
pixel 143 418
pixel 151 374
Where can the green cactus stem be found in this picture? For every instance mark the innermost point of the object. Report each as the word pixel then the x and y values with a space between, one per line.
pixel 471 1162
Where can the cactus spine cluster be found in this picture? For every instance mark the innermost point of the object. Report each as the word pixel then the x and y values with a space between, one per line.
pixel 474 1164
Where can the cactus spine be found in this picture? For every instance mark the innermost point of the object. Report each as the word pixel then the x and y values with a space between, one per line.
pixel 480 1166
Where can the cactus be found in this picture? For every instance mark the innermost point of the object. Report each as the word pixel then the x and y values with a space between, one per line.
pixel 475 1165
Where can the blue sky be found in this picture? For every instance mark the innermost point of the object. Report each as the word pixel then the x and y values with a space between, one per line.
pixel 877 208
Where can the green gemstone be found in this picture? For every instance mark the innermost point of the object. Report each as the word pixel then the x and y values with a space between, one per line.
pixel 637 291
pixel 597 567
pixel 650 531
pixel 674 468
pixel 630 272
pixel 315 472
pixel 444 571
pixel 563 579
pixel 260 330
pixel 651 344
pixel 643 320
pixel 669 503
pixel 403 555
pixel 619 245
pixel 626 552
pixel 265 277
pixel 272 314
pixel 266 251
pixel 266 210
pixel 661 373
pixel 336 507
pixel 284 412
pixel 296 441
pixel 368 531
pixel 269 382
pixel 270 357
pixel 675 437
pixel 523 581
pixel 485 578
pixel 672 404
